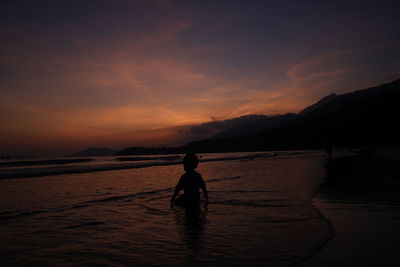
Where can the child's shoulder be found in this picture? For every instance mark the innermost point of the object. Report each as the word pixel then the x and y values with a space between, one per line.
pixel 192 173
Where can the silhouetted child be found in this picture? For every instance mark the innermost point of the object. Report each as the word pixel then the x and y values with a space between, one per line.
pixel 190 182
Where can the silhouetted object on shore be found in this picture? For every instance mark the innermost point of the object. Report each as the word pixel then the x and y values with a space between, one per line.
pixel 190 182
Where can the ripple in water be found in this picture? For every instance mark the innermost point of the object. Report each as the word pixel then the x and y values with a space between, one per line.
pixel 260 212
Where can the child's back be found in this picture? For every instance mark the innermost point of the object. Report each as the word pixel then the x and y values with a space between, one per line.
pixel 190 182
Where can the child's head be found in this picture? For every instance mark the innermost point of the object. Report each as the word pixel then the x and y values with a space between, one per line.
pixel 190 161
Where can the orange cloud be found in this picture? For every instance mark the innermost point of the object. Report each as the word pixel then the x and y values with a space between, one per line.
pixel 132 86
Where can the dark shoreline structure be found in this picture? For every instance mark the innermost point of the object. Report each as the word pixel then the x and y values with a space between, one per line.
pixel 359 119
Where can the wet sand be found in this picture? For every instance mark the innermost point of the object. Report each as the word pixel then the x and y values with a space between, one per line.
pixel 361 200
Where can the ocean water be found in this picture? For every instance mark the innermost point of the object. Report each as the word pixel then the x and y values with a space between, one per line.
pixel 260 213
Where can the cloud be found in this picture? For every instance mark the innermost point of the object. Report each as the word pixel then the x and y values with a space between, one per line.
pixel 340 71
pixel 147 71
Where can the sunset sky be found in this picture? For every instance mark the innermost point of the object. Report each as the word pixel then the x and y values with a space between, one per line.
pixel 75 74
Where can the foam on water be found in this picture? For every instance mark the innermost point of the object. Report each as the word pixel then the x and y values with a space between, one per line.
pixel 44 167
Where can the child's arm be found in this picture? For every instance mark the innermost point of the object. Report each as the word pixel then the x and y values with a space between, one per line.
pixel 178 188
pixel 204 189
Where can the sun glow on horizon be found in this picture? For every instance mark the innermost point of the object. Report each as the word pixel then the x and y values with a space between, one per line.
pixel 140 72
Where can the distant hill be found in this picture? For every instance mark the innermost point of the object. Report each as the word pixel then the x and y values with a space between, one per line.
pixel 94 151
pixel 213 128
pixel 231 127
pixel 364 117
pixel 319 104
pixel 261 124
pixel 361 118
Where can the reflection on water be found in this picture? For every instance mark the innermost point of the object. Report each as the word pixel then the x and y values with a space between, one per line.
pixel 192 224
pixel 260 212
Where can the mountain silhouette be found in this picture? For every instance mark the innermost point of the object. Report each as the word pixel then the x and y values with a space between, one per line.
pixel 261 124
pixel 212 128
pixel 361 118
pixel 320 103
pixel 365 117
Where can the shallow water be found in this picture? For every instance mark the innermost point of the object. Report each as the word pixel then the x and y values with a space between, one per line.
pixel 260 212
pixel 37 167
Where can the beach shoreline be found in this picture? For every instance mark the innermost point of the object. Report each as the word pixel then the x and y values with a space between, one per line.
pixel 41 168
pixel 260 212
pixel 360 199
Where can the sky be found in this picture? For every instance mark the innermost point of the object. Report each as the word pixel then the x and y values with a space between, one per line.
pixel 116 73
